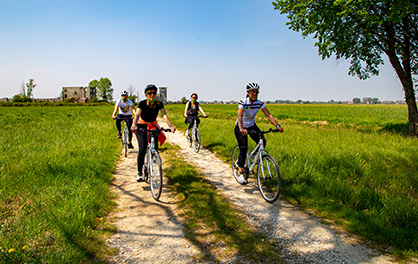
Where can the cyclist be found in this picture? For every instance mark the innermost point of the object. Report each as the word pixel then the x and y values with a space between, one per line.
pixel 146 117
pixel 125 108
pixel 247 110
pixel 192 109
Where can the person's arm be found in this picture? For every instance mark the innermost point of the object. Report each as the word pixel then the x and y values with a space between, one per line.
pixel 271 119
pixel 115 111
pixel 133 109
pixel 135 122
pixel 201 110
pixel 185 109
pixel 167 120
pixel 240 123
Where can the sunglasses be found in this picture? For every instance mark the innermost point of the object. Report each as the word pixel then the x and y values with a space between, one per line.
pixel 254 92
pixel 152 93
pixel 194 97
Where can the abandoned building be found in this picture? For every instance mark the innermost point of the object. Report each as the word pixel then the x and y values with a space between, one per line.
pixel 78 94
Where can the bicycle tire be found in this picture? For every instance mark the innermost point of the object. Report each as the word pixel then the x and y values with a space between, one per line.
pixel 125 142
pixel 156 175
pixel 196 140
pixel 268 178
pixel 234 159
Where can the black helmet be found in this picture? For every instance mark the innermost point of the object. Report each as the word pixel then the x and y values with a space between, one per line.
pixel 150 87
pixel 195 94
pixel 124 93
pixel 252 86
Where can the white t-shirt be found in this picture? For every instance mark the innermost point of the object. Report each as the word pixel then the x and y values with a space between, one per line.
pixel 250 111
pixel 124 108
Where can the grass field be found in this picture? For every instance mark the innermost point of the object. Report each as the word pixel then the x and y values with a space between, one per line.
pixel 56 165
pixel 354 165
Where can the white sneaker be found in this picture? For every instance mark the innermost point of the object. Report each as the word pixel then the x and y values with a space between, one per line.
pixel 241 179
pixel 139 178
pixel 187 133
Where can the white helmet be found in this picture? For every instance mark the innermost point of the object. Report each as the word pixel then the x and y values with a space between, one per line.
pixel 252 86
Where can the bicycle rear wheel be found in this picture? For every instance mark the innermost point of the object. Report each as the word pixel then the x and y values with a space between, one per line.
pixel 196 140
pixel 156 175
pixel 268 178
pixel 125 141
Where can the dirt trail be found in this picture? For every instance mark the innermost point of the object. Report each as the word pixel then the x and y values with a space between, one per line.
pixel 148 231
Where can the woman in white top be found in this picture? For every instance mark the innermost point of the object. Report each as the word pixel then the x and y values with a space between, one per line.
pixel 124 108
pixel 247 110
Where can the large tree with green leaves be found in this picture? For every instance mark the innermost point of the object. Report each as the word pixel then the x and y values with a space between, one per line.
pixel 361 31
pixel 104 89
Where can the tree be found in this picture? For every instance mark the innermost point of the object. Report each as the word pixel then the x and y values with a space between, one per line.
pixel 131 91
pixel 23 89
pixel 356 100
pixel 361 31
pixel 183 100
pixel 104 89
pixel 30 86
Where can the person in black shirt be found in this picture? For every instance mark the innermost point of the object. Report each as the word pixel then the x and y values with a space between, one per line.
pixel 192 109
pixel 146 117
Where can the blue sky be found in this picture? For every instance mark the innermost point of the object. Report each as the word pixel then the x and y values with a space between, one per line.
pixel 213 48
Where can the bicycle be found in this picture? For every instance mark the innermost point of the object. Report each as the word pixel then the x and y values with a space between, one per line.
pixel 268 174
pixel 125 135
pixel 194 136
pixel 152 165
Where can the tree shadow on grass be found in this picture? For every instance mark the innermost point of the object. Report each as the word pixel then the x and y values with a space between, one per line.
pixel 396 128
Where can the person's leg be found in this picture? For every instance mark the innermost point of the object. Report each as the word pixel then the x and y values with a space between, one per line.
pixel 141 137
pixel 243 148
pixel 129 124
pixel 255 137
pixel 119 126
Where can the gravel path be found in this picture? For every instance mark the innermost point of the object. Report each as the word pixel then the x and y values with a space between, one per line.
pixel 150 232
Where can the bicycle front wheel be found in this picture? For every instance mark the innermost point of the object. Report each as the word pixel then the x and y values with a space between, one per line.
pixel 156 175
pixel 234 160
pixel 196 140
pixel 125 142
pixel 268 177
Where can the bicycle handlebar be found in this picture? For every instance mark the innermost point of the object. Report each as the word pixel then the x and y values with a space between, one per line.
pixel 198 116
pixel 262 132
pixel 124 118
pixel 155 130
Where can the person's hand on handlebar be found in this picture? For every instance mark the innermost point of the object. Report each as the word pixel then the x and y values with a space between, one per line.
pixel 133 128
pixel 279 128
pixel 173 129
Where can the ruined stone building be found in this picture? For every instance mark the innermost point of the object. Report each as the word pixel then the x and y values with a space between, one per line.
pixel 78 94
pixel 162 95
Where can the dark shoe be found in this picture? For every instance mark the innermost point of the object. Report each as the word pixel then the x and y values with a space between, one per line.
pixel 119 135
pixel 130 146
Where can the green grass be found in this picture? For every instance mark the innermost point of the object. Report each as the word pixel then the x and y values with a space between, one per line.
pixel 211 222
pixel 56 165
pixel 356 167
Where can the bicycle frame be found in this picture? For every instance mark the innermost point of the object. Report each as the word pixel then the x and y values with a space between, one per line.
pixel 256 153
